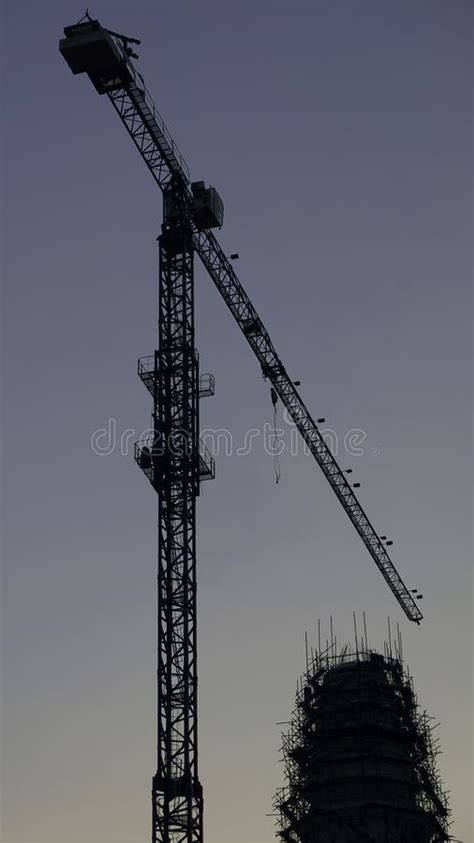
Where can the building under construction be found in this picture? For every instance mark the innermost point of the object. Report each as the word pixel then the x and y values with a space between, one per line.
pixel 359 757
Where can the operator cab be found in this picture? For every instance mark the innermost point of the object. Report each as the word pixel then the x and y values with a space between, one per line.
pixel 207 207
pixel 88 48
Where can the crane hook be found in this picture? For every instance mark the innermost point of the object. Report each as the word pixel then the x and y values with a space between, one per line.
pixel 276 459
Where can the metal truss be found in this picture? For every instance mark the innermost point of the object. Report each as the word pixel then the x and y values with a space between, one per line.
pixel 221 271
pixel 172 464
pixel 149 133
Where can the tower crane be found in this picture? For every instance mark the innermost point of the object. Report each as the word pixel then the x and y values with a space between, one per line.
pixel 172 457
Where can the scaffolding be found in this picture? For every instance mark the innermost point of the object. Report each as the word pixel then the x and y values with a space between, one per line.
pixel 359 755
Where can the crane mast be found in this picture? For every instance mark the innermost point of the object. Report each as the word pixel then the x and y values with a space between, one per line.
pixel 172 456
pixel 177 792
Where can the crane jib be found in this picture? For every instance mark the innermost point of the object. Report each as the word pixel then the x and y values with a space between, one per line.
pixel 226 281
pixel 106 59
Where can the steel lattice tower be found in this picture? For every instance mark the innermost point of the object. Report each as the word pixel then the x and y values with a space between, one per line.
pixel 177 792
pixel 175 462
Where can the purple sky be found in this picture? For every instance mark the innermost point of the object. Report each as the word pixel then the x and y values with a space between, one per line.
pixel 339 136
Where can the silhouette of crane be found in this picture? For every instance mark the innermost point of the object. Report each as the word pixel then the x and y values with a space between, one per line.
pixel 173 458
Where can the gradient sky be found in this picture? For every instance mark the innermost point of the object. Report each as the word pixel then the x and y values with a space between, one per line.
pixel 339 136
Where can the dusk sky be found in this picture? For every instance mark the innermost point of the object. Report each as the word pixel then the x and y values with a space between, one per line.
pixel 339 137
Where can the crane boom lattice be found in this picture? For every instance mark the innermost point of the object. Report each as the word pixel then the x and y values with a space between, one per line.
pixel 222 273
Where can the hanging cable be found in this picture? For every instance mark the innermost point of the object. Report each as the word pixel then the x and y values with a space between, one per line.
pixel 276 456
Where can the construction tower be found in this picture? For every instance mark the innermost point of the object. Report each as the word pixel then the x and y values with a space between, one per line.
pixel 359 755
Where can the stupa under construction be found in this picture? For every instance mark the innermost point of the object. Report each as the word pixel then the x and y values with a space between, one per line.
pixel 359 756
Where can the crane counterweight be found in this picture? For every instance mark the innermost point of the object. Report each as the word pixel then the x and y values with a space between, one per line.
pixel 89 48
